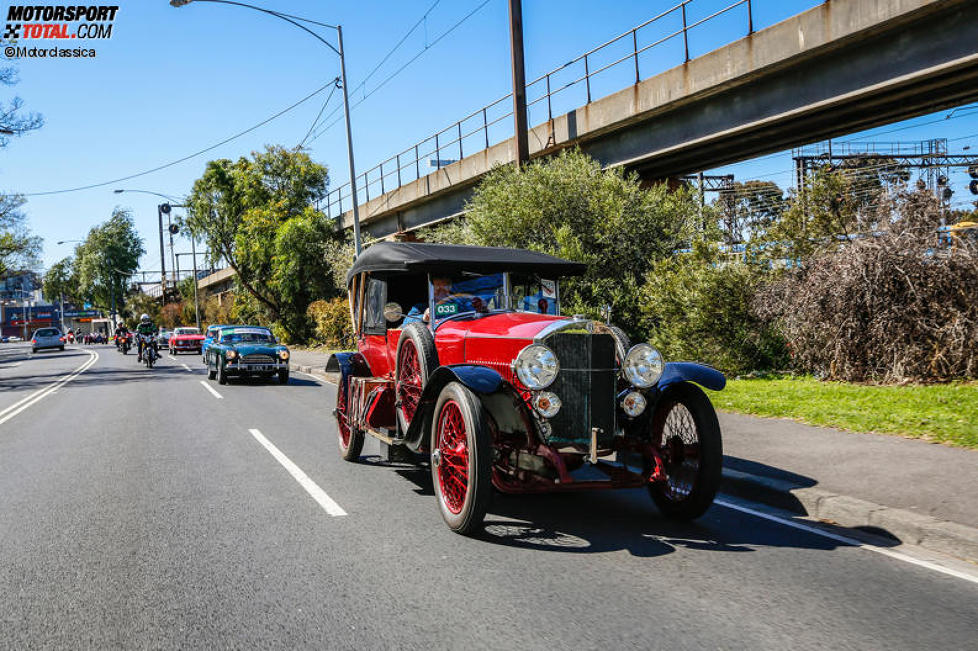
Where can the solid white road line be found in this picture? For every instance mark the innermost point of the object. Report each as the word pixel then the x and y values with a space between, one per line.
pixel 211 389
pixel 42 393
pixel 906 558
pixel 311 487
pixel 188 368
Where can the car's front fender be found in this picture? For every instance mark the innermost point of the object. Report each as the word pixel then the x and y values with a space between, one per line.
pixel 701 374
pixel 348 363
pixel 480 379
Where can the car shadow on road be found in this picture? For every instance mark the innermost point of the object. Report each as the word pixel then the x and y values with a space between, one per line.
pixel 615 520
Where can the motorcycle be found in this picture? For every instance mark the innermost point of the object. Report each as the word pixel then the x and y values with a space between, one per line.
pixel 123 344
pixel 150 354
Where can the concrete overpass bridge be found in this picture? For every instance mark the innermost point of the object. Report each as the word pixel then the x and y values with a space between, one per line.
pixel 840 67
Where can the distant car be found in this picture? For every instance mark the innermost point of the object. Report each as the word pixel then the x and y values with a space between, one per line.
pixel 4 339
pixel 247 351
pixel 47 338
pixel 15 338
pixel 209 336
pixel 163 338
pixel 184 340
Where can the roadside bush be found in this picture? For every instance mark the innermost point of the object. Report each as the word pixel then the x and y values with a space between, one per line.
pixel 332 325
pixel 567 206
pixel 697 307
pixel 892 307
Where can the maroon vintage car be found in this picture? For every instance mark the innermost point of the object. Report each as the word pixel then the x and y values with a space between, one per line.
pixel 186 340
pixel 464 360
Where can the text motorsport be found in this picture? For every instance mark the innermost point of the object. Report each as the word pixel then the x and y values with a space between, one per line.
pixel 58 22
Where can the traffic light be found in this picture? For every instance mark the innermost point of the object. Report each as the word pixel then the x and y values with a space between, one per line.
pixel 174 229
pixel 973 171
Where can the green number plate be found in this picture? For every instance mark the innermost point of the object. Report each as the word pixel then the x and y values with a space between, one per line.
pixel 446 309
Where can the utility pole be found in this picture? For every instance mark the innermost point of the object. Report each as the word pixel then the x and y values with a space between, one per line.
pixel 193 253
pixel 159 212
pixel 702 201
pixel 519 82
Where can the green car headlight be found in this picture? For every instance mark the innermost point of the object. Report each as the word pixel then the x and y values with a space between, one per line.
pixel 284 354
pixel 231 354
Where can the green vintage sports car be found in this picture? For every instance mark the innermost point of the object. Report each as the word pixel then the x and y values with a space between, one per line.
pixel 246 351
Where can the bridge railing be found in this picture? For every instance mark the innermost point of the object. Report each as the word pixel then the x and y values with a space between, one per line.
pixel 492 123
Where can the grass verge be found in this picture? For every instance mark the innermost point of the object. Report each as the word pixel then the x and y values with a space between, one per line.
pixel 945 413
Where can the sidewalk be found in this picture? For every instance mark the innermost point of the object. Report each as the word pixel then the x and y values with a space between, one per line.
pixel 308 361
pixel 920 493
pixel 917 492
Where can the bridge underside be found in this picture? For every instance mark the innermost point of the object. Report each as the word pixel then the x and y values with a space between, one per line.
pixel 844 66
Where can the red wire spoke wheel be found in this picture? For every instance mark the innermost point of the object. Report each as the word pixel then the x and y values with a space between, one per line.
pixel 461 458
pixel 686 433
pixel 350 437
pixel 416 361
pixel 409 382
pixel 453 468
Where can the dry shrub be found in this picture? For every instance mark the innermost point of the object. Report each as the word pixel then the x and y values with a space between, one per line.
pixel 891 307
pixel 332 323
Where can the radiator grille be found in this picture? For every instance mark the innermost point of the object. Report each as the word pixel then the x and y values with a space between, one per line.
pixel 585 385
pixel 258 359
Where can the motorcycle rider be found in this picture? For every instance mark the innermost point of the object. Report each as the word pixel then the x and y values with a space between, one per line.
pixel 120 334
pixel 146 327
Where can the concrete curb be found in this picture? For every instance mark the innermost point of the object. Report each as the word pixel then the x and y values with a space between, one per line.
pixel 864 517
pixel 316 371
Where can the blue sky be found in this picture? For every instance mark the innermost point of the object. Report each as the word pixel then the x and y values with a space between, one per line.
pixel 173 81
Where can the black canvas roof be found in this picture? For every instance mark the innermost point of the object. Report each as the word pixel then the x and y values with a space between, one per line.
pixel 400 257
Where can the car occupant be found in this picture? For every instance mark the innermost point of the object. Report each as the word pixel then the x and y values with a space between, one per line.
pixel 145 327
pixel 446 294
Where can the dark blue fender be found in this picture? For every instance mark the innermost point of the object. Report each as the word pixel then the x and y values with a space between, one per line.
pixel 477 378
pixel 347 364
pixel 692 372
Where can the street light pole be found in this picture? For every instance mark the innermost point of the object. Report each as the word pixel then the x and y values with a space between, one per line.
pixel 159 213
pixel 346 97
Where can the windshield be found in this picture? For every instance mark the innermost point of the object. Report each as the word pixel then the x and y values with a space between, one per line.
pixel 247 336
pixel 186 331
pixel 467 292
pixel 530 293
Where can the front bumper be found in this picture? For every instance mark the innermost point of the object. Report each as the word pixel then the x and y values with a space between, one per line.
pixel 244 369
pixel 182 346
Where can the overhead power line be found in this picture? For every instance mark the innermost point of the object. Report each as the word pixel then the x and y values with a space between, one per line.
pixel 185 158
pixel 402 68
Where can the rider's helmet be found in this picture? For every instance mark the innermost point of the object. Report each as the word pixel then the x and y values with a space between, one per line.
pixel 144 318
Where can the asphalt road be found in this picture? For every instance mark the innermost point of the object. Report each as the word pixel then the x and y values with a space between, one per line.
pixel 140 510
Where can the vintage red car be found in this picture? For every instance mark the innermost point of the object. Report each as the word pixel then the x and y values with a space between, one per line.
pixel 186 340
pixel 464 359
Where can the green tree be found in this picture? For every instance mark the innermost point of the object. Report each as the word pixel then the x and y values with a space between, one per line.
pixel 19 249
pixel 258 215
pixel 107 258
pixel 57 281
pixel 568 206
pixel 748 209
pixel 699 306
pixel 13 119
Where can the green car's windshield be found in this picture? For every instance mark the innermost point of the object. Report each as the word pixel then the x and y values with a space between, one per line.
pixel 247 337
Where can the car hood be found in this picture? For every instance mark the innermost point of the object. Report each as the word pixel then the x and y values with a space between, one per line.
pixel 258 349
pixel 514 325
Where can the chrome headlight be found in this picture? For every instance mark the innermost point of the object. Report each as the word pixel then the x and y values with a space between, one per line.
pixel 536 367
pixel 643 365
pixel 547 404
pixel 284 354
pixel 231 354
